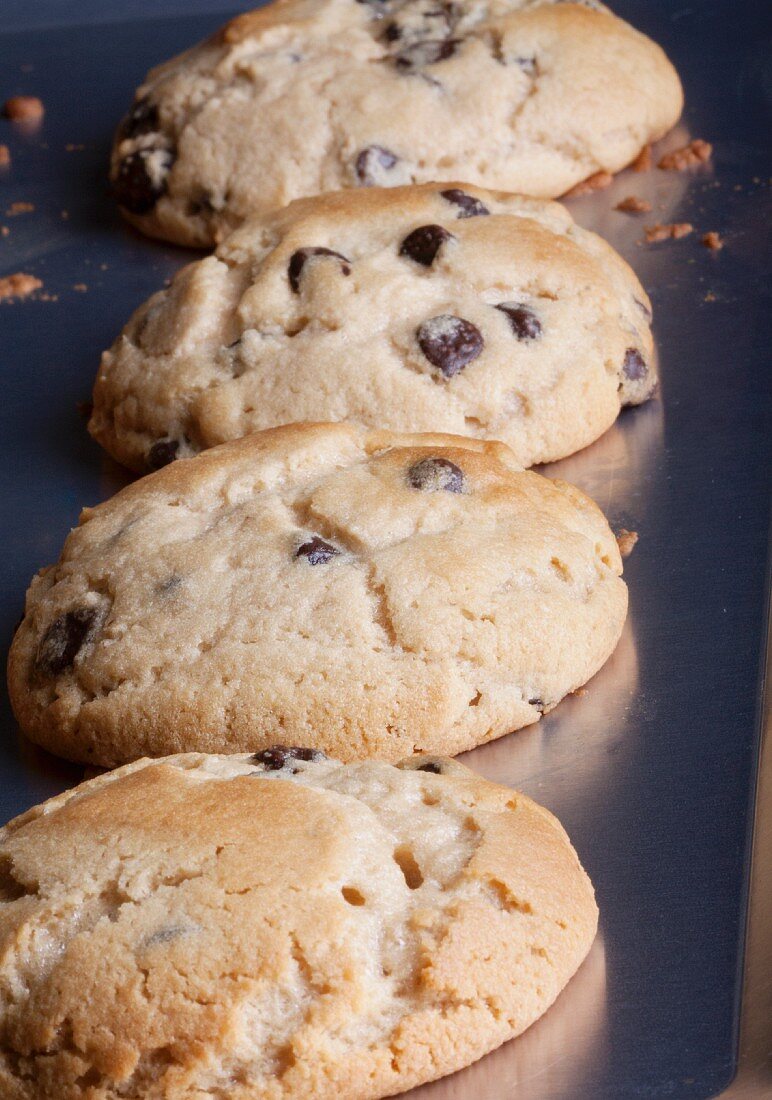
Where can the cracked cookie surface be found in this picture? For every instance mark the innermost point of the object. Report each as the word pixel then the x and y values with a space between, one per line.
pixel 210 927
pixel 364 593
pixel 302 96
pixel 425 308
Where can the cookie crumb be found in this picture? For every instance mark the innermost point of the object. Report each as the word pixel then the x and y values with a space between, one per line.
pixel 633 205
pixel 596 182
pixel 19 285
pixel 710 297
pixel 670 231
pixel 580 691
pixel 643 161
pixel 5 156
pixel 24 108
pixel 80 287
pixel 19 208
pixel 64 215
pixel 696 152
pixel 71 147
pixel 4 231
pixel 626 541
pixel 712 240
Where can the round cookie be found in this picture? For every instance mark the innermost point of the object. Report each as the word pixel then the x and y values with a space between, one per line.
pixel 305 96
pixel 425 308
pixel 278 927
pixel 361 592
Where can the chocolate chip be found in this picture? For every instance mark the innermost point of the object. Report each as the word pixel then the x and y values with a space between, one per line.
pixel 527 64
pixel 431 767
pixel 423 244
pixel 449 342
pixel 164 935
pixel 162 453
pixel 298 261
pixel 634 365
pixel 170 585
pixel 419 54
pixel 374 163
pixel 538 703
pixel 523 321
pixel 275 758
pixel 433 475
pixel 469 206
pixel 65 638
pixel 134 187
pixel 392 32
pixel 141 119
pixel 317 551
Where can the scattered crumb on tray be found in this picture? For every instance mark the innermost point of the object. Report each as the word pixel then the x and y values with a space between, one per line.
pixel 72 147
pixel 696 152
pixel 19 208
pixel 4 231
pixel 712 241
pixel 80 287
pixel 626 541
pixel 593 183
pixel 633 205
pixel 65 215
pixel 5 156
pixel 643 161
pixel 580 691
pixel 710 297
pixel 24 108
pixel 19 285
pixel 671 231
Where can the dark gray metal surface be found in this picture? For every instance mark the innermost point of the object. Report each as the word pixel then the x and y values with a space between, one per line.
pixel 652 770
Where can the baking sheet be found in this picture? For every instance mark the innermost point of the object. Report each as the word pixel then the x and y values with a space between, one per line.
pixel 653 769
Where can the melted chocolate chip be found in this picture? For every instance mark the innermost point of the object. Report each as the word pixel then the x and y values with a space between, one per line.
pixel 420 54
pixel 317 551
pixel 64 639
pixel 141 119
pixel 433 475
pixel 523 321
pixel 134 187
pixel 468 205
pixel 423 244
pixel 373 164
pixel 634 365
pixel 449 342
pixel 277 757
pixel 162 453
pixel 298 261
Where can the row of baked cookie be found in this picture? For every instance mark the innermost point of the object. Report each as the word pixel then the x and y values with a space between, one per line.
pixel 280 925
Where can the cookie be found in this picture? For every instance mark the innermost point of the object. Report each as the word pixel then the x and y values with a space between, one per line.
pixel 297 98
pixel 427 308
pixel 364 593
pixel 278 927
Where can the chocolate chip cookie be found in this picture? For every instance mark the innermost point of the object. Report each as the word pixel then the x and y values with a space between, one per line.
pixel 295 98
pixel 426 308
pixel 361 593
pixel 225 926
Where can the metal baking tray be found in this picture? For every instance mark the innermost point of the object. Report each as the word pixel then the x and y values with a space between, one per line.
pixel 653 769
